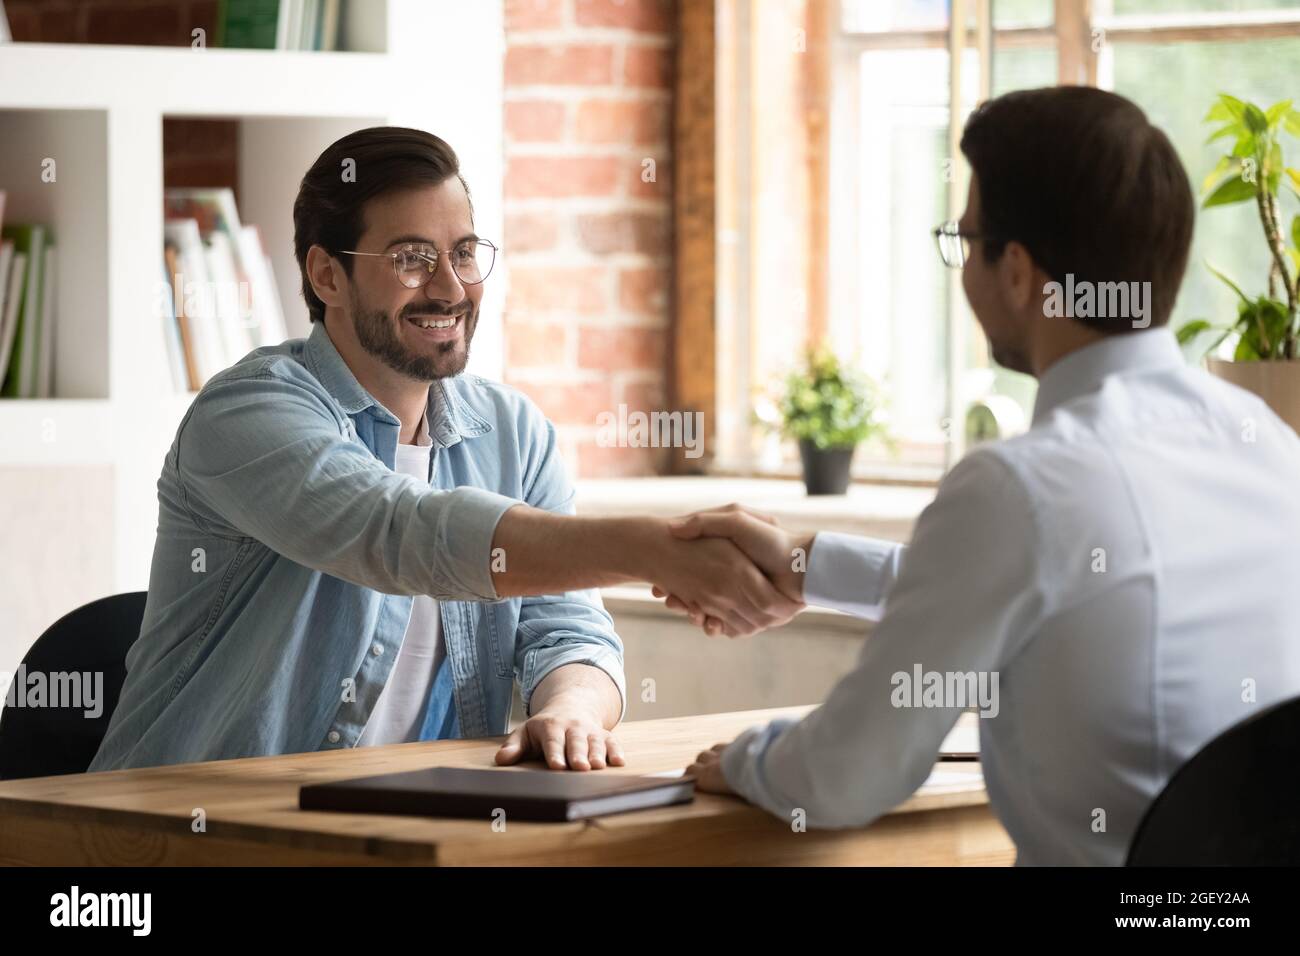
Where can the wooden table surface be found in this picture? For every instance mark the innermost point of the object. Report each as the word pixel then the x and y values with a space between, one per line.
pixel 249 807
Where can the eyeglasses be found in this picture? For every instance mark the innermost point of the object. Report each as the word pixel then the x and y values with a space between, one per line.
pixel 954 245
pixel 415 263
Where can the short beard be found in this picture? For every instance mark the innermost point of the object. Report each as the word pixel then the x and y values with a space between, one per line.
pixel 378 335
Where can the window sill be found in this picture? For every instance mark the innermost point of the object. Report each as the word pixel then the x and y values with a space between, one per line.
pixel 878 511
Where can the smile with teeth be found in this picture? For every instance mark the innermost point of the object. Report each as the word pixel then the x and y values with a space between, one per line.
pixel 434 322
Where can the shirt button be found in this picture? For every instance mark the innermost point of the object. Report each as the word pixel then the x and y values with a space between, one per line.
pixel 334 736
pixel 376 650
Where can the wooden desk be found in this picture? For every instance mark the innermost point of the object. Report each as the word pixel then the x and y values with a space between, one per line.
pixel 143 817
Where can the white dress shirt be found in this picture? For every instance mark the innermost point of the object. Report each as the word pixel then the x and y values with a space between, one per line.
pixel 1126 571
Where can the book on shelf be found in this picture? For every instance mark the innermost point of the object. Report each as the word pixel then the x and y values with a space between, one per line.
pixel 28 333
pixel 224 300
pixel 13 277
pixel 279 24
pixel 247 24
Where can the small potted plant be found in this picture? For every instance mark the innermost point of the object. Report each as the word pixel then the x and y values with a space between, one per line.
pixel 1265 359
pixel 829 410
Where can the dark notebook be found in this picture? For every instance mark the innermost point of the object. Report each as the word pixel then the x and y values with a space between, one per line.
pixel 524 795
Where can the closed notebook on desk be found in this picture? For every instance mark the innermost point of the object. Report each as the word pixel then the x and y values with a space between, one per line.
pixel 524 795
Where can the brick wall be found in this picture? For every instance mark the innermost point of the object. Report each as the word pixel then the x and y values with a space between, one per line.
pixel 587 229
pixel 588 220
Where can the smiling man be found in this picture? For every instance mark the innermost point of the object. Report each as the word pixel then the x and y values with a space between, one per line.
pixel 358 544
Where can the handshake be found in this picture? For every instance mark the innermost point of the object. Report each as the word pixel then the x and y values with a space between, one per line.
pixel 732 570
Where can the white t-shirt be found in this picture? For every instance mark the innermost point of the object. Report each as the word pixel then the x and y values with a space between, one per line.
pixel 399 712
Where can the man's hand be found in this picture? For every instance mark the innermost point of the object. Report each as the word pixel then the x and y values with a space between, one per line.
pixel 781 555
pixel 567 733
pixel 707 771
pixel 713 579
pixel 572 710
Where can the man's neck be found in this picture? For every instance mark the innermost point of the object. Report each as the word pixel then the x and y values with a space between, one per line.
pixel 404 397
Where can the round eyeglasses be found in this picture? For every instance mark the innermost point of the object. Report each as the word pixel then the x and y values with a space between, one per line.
pixel 415 263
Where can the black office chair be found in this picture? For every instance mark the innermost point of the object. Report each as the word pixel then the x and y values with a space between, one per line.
pixel 1235 803
pixel 46 741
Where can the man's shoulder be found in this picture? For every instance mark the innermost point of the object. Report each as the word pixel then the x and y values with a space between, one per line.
pixel 502 405
pixel 286 360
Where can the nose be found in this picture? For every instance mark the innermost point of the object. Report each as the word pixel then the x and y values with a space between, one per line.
pixel 445 286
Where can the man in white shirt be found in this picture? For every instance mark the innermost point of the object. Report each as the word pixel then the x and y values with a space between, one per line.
pixel 1120 580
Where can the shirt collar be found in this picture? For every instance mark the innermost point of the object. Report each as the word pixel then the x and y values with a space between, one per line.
pixel 447 418
pixel 1083 370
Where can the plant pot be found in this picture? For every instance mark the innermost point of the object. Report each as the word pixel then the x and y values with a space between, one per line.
pixel 825 470
pixel 1276 382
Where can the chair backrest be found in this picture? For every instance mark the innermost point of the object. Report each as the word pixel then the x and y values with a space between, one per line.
pixel 39 740
pixel 1235 803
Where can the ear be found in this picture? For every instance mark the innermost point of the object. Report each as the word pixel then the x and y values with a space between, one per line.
pixel 1016 274
pixel 327 277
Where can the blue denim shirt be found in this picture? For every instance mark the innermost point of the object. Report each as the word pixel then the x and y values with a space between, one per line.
pixel 288 552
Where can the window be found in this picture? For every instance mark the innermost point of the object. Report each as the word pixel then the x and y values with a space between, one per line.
pixel 837 155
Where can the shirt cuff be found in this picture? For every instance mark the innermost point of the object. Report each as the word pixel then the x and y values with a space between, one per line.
pixel 607 661
pixel 851 573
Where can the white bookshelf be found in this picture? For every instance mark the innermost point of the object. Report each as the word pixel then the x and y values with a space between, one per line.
pixel 98 111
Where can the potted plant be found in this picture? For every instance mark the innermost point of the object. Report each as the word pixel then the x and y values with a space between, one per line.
pixel 1265 359
pixel 829 409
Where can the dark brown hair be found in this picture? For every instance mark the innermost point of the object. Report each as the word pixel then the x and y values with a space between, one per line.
pixel 1088 186
pixel 330 207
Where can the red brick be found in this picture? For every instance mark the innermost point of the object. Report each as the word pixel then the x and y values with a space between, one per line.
pixel 651 16
pixel 658 188
pixel 622 121
pixel 530 232
pixel 595 461
pixel 621 349
pixel 604 233
pixel 645 397
pixel 535 344
pixel 648 66
pixel 556 177
pixel 534 121
pixel 534 15
pixel 644 291
pixel 575 290
pixel 570 403
pixel 565 66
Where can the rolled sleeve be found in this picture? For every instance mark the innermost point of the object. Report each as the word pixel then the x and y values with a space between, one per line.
pixel 464 541
pixel 540 661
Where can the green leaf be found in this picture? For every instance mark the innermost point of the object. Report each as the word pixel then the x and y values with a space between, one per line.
pixel 1295 231
pixel 1246 351
pixel 1294 176
pixel 1192 329
pixel 1256 121
pixel 1232 129
pixel 1291 122
pixel 1245 147
pixel 1234 107
pixel 1221 167
pixel 1230 284
pixel 1232 191
pixel 1277 111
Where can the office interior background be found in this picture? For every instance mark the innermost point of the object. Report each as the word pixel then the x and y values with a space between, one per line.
pixel 688 195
